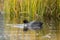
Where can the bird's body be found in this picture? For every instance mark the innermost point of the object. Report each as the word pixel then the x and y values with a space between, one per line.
pixel 34 25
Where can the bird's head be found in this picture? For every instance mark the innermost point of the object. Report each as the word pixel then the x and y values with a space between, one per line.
pixel 25 25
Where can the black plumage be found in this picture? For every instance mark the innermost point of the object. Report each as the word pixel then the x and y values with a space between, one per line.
pixel 34 25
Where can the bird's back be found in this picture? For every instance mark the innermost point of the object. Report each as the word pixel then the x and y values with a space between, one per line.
pixel 35 25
